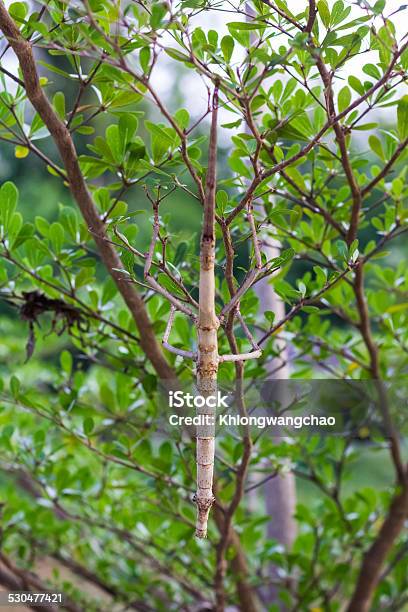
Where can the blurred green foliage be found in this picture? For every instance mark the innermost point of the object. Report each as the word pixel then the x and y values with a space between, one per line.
pixel 91 477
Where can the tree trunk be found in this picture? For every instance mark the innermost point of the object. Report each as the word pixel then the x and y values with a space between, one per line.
pixel 280 492
pixel 80 192
pixel 376 555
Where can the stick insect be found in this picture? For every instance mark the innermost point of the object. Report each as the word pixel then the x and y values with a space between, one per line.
pixel 203 314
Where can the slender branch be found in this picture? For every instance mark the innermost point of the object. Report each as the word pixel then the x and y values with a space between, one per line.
pixel 173 300
pixel 305 302
pixel 316 139
pixel 255 240
pixel 240 356
pixel 340 136
pixel 246 330
pixel 372 348
pixel 401 148
pixel 247 283
pixel 169 347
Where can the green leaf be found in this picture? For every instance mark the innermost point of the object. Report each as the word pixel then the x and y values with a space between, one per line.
pixel 88 425
pixel 59 104
pixel 356 84
pixel 240 34
pixel 137 150
pixel 144 58
pixel 86 130
pixel 339 13
pixel 8 202
pixel 177 55
pixel 244 25
pixel 103 199
pixel 115 142
pixel 124 99
pixel 7 432
pixel 15 225
pixel 56 235
pixel 109 291
pixel 213 38
pixel 166 282
pixel 221 200
pixel 342 249
pixel 402 116
pixel 269 316
pixel 321 275
pixel 310 309
pixel 26 232
pixel 383 40
pixel 344 98
pixel 289 89
pixel 21 152
pixel 18 11
pixel 158 11
pixel 53 68
pixel 181 250
pixel 372 71
pixel 238 165
pixel 378 7
pixel 39 438
pixel 149 383
pixel 127 128
pixel 376 146
pixel 66 361
pixel 69 220
pixel 84 276
pixel 324 12
pixel 296 176
pixel 198 41
pixel 227 47
pixel 14 386
pixel 42 226
pixel 182 118
pixel 160 135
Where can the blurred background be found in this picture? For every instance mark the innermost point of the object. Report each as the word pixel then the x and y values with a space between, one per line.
pixel 41 193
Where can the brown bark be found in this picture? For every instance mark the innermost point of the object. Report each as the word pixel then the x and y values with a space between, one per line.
pixel 82 196
pixel 376 555
pixel 80 191
pixel 374 558
pixel 248 600
pixel 342 143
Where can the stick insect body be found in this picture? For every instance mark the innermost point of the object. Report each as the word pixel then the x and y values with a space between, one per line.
pixel 206 321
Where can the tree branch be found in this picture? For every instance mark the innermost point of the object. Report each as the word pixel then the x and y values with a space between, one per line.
pixel 377 554
pixel 80 192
